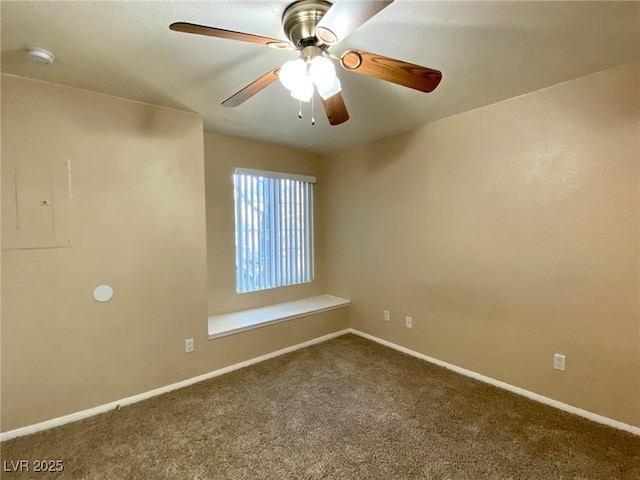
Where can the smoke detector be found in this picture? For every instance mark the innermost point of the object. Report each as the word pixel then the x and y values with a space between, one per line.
pixel 40 55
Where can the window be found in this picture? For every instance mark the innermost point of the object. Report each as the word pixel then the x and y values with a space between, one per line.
pixel 274 229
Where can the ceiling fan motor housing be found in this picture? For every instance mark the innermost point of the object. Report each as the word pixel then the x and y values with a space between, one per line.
pixel 299 21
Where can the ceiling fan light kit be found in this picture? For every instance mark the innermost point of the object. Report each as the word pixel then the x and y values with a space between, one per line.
pixel 310 71
pixel 312 27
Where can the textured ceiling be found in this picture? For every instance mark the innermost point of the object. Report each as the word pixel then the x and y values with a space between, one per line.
pixel 487 51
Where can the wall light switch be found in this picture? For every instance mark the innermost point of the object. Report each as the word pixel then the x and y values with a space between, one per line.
pixel 188 345
pixel 387 315
pixel 408 322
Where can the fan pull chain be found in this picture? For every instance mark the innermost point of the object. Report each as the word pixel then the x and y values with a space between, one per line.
pixel 313 119
pixel 300 111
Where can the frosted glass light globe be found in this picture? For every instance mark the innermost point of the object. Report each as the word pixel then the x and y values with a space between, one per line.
pixel 328 90
pixel 322 71
pixel 303 91
pixel 293 73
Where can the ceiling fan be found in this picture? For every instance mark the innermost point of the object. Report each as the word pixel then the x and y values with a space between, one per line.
pixel 312 27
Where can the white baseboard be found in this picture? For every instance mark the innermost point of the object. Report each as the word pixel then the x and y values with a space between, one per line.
pixel 73 417
pixel 505 386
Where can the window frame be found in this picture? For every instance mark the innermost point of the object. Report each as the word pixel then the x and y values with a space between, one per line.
pixel 290 221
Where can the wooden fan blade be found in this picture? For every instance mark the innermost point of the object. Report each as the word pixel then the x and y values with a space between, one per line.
pixel 335 109
pixel 392 70
pixel 250 90
pixel 229 34
pixel 345 16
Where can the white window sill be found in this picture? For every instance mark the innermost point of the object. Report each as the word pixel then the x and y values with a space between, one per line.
pixel 236 322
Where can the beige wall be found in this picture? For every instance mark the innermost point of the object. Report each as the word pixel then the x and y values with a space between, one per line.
pixel 222 155
pixel 138 224
pixel 509 233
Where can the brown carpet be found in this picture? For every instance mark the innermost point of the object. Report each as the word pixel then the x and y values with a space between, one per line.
pixel 344 409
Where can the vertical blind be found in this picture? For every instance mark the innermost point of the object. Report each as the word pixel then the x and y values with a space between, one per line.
pixel 274 229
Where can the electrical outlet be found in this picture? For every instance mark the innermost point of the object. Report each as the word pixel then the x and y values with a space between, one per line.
pixel 559 362
pixel 408 322
pixel 387 315
pixel 188 345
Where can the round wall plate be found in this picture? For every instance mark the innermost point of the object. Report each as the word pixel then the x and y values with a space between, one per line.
pixel 103 293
